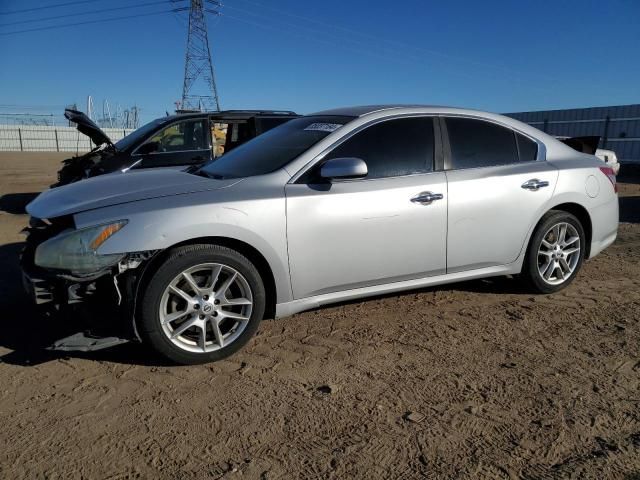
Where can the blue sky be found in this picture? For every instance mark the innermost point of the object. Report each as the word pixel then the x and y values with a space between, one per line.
pixel 495 55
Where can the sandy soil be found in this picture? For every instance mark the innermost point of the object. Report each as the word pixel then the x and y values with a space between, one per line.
pixel 478 379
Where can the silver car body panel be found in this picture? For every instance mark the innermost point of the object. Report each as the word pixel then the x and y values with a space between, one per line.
pixel 300 305
pixel 253 214
pixel 490 213
pixel 116 189
pixel 368 223
pixel 358 237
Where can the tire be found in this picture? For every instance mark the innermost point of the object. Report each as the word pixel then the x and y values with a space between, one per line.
pixel 565 262
pixel 184 302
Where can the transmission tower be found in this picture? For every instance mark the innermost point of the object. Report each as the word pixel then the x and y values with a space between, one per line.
pixel 198 64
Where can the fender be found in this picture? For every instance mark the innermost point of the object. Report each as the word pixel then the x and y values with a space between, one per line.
pixel 573 187
pixel 154 225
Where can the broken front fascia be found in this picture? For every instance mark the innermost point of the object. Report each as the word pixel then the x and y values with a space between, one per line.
pixel 68 287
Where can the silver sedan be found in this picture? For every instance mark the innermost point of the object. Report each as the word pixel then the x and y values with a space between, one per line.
pixel 329 207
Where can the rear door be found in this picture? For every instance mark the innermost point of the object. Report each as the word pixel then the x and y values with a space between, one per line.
pixel 497 184
pixel 356 233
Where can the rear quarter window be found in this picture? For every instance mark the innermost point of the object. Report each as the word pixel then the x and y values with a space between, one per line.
pixel 527 148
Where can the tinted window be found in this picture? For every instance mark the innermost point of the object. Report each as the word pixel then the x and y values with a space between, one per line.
pixel 267 123
pixel 476 143
pixel 181 136
pixel 392 148
pixel 528 148
pixel 275 148
pixel 138 135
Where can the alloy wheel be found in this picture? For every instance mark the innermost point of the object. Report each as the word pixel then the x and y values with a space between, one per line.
pixel 206 307
pixel 558 253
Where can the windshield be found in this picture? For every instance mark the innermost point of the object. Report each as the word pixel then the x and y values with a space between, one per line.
pixel 275 148
pixel 139 134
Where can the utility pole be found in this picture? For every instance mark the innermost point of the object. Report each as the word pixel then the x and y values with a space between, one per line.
pixel 198 64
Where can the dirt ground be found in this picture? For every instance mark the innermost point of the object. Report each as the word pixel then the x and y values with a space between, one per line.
pixel 474 380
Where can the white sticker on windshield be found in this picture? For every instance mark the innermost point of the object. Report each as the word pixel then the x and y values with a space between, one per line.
pixel 324 127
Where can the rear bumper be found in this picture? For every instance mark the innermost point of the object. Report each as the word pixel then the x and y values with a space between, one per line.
pixel 604 222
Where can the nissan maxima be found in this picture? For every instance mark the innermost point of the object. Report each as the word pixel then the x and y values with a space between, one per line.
pixel 329 207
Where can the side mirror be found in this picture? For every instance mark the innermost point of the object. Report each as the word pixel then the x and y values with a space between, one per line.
pixel 344 168
pixel 149 147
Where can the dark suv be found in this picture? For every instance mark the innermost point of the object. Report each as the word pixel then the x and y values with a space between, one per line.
pixel 184 139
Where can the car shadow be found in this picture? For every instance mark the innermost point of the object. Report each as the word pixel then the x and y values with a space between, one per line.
pixel 630 209
pixel 16 203
pixel 629 173
pixel 27 331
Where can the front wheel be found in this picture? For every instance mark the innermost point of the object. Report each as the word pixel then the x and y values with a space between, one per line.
pixel 555 253
pixel 202 304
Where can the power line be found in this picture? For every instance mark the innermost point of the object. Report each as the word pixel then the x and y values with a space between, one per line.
pixel 11 12
pixel 366 45
pixel 75 24
pixel 90 12
pixel 398 57
pixel 398 44
pixel 388 54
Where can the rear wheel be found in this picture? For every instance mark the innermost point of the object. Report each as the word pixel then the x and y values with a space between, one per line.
pixel 555 253
pixel 203 304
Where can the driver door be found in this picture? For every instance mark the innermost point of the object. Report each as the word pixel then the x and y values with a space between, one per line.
pixel 182 143
pixel 356 233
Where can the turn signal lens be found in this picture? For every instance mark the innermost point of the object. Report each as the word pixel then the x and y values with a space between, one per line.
pixel 106 232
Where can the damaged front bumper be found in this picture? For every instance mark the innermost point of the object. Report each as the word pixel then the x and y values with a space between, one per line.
pixel 103 302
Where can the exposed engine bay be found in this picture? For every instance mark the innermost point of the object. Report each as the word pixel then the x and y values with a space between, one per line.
pixel 83 166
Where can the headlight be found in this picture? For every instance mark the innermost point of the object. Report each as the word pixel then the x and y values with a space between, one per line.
pixel 77 250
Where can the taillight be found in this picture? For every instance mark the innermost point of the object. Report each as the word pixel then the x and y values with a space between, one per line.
pixel 611 175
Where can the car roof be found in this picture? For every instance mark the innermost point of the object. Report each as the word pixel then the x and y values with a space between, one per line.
pixel 360 114
pixel 361 110
pixel 232 114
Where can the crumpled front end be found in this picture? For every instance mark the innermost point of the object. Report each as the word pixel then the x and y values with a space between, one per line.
pixel 102 299
pixel 83 166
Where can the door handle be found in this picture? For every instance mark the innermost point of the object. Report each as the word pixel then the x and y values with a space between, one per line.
pixel 534 184
pixel 425 198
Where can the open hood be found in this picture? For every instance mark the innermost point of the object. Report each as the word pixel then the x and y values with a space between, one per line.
pixel 87 126
pixel 120 188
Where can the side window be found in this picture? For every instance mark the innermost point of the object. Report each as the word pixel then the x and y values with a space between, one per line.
pixel 181 136
pixel 476 143
pixel 527 148
pixel 392 148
